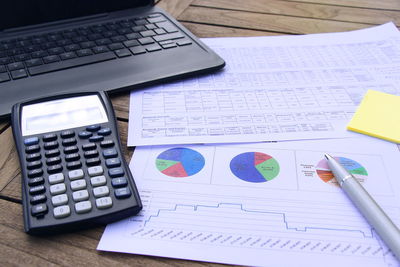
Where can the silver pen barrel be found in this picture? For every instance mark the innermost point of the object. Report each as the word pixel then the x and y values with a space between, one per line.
pixel 373 213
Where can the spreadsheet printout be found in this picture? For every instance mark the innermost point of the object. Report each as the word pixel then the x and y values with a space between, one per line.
pixel 263 204
pixel 272 88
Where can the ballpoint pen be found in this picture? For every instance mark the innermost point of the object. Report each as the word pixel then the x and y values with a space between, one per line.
pixel 381 223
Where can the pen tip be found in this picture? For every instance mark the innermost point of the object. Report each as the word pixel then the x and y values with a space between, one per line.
pixel 327 156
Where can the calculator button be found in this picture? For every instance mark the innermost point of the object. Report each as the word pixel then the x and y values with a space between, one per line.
pixel 101 191
pixel 116 172
pixel 50 145
pixel 34 165
pixel 69 142
pixel 38 199
pixel 34 156
pixel 85 134
pixel 119 182
pixel 75 174
pixel 91 154
pixel 59 200
pixel 96 170
pixel 52 153
pixel 39 209
pixel 83 207
pixel 54 169
pixel 89 146
pixel 35 181
pixel 53 161
pixel 57 189
pixel 110 153
pixel 31 141
pixel 93 162
pixel 67 134
pixel 98 180
pixel 80 195
pixel 104 202
pixel 61 212
pixel 49 137
pixel 112 163
pixel 107 143
pixel 35 173
pixel 71 149
pixel 56 178
pixel 93 128
pixel 36 190
pixel 104 131
pixel 72 157
pixel 78 184
pixel 74 165
pixel 96 138
pixel 32 149
pixel 122 193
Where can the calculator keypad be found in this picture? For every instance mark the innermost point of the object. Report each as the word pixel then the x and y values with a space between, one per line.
pixel 74 172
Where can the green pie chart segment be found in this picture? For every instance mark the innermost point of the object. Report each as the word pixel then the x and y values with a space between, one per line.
pixel 254 167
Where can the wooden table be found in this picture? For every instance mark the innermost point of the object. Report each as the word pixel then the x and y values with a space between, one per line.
pixel 205 18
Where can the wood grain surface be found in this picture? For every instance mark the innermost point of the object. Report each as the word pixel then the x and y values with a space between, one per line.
pixel 205 18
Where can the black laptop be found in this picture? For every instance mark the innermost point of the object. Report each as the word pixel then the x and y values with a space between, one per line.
pixel 50 47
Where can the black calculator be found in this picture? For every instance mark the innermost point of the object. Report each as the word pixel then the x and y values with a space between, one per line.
pixel 74 174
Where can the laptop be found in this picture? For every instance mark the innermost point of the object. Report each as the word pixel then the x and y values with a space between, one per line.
pixel 50 47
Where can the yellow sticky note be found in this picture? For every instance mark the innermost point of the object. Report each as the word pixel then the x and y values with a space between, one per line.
pixel 378 115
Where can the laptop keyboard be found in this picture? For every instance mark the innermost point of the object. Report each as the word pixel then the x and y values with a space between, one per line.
pixel 39 54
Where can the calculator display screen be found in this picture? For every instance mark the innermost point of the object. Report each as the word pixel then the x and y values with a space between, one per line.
pixel 67 113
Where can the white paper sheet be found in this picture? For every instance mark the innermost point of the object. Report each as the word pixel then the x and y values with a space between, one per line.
pixel 272 88
pixel 216 212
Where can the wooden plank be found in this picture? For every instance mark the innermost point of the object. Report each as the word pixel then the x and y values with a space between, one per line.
pixel 120 103
pixel 265 22
pixel 374 4
pixel 9 165
pixel 307 10
pixel 10 173
pixel 72 249
pixel 202 31
pixel 174 7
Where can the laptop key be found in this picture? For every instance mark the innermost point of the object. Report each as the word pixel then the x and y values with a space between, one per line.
pixel 4 77
pixel 18 74
pixel 33 62
pixel 80 61
pixel 153 47
pixel 168 36
pixel 51 59
pixel 67 55
pixel 84 52
pixel 2 68
pixel 122 52
pixel 169 27
pixel 131 43
pixel 100 49
pixel 55 51
pixel 15 66
pixel 5 60
pixel 138 28
pixel 134 35
pixel 184 42
pixel 137 50
pixel 146 40
pixel 116 46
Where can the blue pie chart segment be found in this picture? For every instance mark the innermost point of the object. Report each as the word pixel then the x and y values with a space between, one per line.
pixel 180 162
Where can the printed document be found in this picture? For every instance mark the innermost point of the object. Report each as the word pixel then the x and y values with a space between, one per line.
pixel 272 88
pixel 264 204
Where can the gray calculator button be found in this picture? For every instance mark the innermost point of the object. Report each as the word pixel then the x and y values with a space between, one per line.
pixel 56 178
pixel 104 202
pixel 61 211
pixel 75 174
pixel 78 184
pixel 96 170
pixel 57 189
pixel 80 195
pixel 98 180
pixel 59 200
pixel 101 191
pixel 83 207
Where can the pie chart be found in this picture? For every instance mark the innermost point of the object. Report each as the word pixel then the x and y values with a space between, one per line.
pixel 254 167
pixel 352 166
pixel 180 162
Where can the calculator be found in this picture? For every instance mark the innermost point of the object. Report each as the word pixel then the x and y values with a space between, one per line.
pixel 74 174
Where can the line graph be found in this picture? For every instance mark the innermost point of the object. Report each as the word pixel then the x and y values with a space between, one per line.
pixel 193 218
